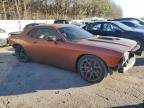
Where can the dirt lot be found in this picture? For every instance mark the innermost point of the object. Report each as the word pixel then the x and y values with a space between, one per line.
pixel 33 85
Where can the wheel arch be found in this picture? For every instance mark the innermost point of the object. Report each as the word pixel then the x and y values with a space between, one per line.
pixel 14 45
pixel 20 46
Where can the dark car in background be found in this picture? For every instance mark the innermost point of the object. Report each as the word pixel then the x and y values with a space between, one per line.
pixel 67 22
pixel 133 25
pixel 139 21
pixel 61 22
pixel 117 29
pixel 31 25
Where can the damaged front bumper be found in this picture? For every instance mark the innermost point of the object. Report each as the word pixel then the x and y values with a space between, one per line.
pixel 123 66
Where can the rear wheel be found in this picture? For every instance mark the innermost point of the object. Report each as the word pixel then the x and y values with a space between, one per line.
pixel 92 68
pixel 21 54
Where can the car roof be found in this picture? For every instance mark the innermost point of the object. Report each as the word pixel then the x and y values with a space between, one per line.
pixel 115 22
pixel 126 21
pixel 120 19
pixel 57 26
pixel 61 20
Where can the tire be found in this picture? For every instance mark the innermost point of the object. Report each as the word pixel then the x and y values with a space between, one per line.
pixel 92 68
pixel 141 43
pixel 21 54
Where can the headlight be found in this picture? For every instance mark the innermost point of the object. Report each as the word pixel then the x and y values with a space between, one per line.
pixel 125 57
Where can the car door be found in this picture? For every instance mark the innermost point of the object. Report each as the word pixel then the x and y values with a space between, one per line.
pixel 94 28
pixel 109 29
pixel 44 49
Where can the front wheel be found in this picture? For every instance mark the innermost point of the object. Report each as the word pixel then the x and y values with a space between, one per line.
pixel 92 68
pixel 21 54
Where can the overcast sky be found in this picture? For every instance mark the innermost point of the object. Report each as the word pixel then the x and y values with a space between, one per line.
pixel 131 8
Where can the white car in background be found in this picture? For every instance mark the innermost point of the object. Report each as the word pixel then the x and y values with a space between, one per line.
pixel 3 37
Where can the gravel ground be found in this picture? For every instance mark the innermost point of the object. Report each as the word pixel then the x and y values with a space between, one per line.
pixel 33 85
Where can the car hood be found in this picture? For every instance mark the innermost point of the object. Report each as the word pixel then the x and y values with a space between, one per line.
pixel 112 43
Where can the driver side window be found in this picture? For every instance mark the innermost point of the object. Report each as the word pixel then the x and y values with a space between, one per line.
pixel 110 27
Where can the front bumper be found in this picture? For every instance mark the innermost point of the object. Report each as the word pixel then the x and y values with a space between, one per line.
pixel 123 67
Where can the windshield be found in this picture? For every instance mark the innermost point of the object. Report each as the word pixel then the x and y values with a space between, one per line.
pixel 75 33
pixel 123 26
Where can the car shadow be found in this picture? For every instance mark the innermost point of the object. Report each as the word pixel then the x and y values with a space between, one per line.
pixel 20 78
pixel 141 105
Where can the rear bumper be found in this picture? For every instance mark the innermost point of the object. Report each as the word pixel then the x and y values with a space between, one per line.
pixel 126 66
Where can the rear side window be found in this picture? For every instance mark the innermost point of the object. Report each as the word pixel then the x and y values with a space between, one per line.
pixel 93 26
pixel 33 33
pixel 96 26
pixel 43 33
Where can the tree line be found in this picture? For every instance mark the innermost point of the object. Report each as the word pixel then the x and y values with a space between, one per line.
pixel 58 9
